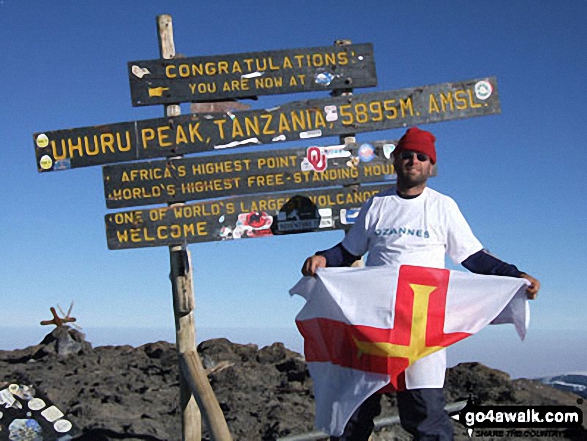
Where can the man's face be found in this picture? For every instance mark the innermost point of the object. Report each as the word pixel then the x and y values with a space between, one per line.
pixel 412 168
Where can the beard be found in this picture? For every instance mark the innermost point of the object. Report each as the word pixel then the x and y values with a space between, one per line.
pixel 410 178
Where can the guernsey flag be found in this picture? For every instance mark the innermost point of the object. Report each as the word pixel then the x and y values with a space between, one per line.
pixel 365 328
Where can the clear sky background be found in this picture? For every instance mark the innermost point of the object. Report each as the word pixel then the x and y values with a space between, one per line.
pixel 518 177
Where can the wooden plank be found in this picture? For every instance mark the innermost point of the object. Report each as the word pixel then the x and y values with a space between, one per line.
pixel 195 374
pixel 64 149
pixel 238 217
pixel 205 177
pixel 246 75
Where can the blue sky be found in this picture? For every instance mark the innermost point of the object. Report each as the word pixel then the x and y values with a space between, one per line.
pixel 518 177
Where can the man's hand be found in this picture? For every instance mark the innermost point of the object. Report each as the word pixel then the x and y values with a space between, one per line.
pixel 312 263
pixel 532 290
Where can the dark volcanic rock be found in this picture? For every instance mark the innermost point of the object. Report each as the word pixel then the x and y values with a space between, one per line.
pixel 122 392
pixel 63 341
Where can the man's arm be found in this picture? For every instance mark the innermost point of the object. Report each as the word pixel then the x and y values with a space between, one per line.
pixel 482 262
pixel 335 256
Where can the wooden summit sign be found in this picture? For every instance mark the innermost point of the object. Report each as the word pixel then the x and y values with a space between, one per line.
pixel 204 177
pixel 64 149
pixel 239 217
pixel 245 75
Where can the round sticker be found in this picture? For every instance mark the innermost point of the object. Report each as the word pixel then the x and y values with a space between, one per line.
pixel 42 140
pixel 483 90
pixel 366 152
pixel 46 162
pixel 36 404
pixel 62 426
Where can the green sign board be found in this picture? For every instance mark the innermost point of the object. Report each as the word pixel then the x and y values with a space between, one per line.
pixel 204 177
pixel 239 217
pixel 163 137
pixel 247 75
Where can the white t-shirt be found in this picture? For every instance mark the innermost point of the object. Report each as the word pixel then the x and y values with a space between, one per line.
pixel 418 231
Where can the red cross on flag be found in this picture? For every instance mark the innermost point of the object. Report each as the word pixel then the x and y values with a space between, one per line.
pixel 369 328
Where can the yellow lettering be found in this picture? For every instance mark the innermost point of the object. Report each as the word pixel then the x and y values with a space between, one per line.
pixel 147 135
pixel 210 68
pixel 271 65
pixel 252 127
pixel 330 59
pixel 249 63
pixel 361 113
pixel 197 70
pixel 180 136
pixel 268 117
pixel 107 141
pixel 432 104
pixel 122 236
pixel 298 120
pixel 63 153
pixel 319 120
pixel 184 70
pixel 96 147
pixel 162 232
pixel 389 106
pixel 317 60
pixel 472 103
pixel 344 112
pixel 168 70
pixel 223 67
pixel 299 59
pixel 162 137
pixel 237 130
pixel 446 99
pixel 194 132
pixel 283 124
pixel 407 104
pixel 261 67
pixel 268 82
pixel 220 124
pixel 135 235
pixel 75 147
pixel 461 100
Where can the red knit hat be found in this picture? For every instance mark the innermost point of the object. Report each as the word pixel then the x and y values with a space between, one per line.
pixel 419 141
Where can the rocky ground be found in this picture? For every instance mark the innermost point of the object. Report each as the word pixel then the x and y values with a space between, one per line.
pixel 113 393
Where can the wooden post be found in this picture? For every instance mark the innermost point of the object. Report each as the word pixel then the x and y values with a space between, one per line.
pixel 185 337
pixel 183 306
pixel 181 278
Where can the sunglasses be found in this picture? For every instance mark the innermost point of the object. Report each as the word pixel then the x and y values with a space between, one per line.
pixel 406 154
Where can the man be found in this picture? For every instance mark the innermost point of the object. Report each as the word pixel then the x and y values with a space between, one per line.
pixel 437 228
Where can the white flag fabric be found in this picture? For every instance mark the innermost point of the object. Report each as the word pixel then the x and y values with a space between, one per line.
pixel 374 327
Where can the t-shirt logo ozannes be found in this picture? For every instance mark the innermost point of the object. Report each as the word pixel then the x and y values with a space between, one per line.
pixel 402 231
